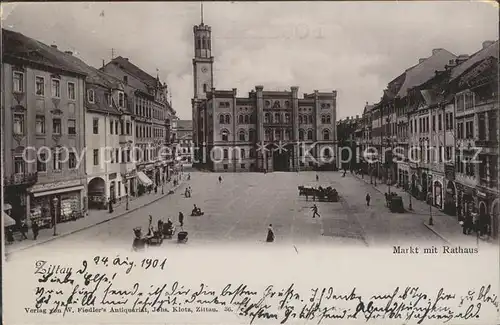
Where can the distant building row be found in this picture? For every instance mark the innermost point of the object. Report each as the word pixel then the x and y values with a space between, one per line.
pixel 441 114
pixel 56 110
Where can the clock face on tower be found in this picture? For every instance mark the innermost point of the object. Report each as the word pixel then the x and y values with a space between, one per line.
pixel 204 69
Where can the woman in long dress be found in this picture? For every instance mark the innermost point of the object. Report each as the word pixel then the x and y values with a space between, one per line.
pixel 270 234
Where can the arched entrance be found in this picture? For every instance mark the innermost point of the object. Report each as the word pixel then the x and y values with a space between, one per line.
pixel 97 193
pixel 484 219
pixel 281 159
pixel 438 194
pixel 495 224
pixel 450 195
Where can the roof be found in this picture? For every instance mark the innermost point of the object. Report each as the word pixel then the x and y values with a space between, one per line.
pixel 17 45
pixel 422 72
pixel 184 124
pixel 134 70
pixel 368 108
pixel 490 51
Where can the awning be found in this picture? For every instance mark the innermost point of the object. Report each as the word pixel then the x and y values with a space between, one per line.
pixel 7 220
pixel 7 206
pixel 62 190
pixel 144 179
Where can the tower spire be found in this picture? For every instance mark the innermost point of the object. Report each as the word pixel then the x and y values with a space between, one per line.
pixel 202 12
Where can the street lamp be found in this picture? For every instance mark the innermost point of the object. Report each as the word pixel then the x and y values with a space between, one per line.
pixel 54 202
pixel 431 221
pixel 126 203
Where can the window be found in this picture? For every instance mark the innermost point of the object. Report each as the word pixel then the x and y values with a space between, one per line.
pixel 326 135
pixel 225 135
pixel 19 165
pixel 433 123
pixel 116 127
pixel 469 130
pixel 481 127
pixel 221 119
pixel 240 119
pixel 90 96
pixel 277 118
pixel 95 126
pixel 96 157
pixel 121 100
pixel 300 119
pixel 243 154
pixel 469 100
pixel 242 165
pixel 205 88
pixel 301 135
pixel 56 88
pixel 251 135
pixel 40 124
pixel 56 126
pixel 71 127
pixel 309 135
pixel 72 160
pixel 18 123
pixel 448 153
pixel 228 119
pixel 39 86
pixel 460 130
pixel 41 163
pixel 323 119
pixel 328 119
pixel 247 119
pixel 451 121
pixel 288 135
pixel 71 91
pixel 226 154
pixel 128 128
pixel 440 122
pixel 492 125
pixel 57 161
pixel 310 119
pixel 117 155
pixel 242 135
pixel 277 135
pixel 18 80
pixel 225 166
pixel 108 100
pixel 267 135
pixel 287 117
pixel 111 127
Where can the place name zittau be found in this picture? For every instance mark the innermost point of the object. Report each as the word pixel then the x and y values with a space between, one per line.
pixel 445 249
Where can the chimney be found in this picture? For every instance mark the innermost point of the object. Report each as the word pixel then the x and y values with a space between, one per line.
pixel 126 59
pixel 103 63
pixel 54 46
pixel 435 51
pixel 421 60
pixel 68 52
pixel 487 44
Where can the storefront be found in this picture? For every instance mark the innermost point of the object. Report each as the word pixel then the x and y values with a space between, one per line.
pixel 145 183
pixel 403 175
pixel 495 214
pixel 130 183
pixel 450 199
pixel 485 201
pixel 61 201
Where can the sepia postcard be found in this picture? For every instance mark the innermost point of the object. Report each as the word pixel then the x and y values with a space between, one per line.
pixel 244 163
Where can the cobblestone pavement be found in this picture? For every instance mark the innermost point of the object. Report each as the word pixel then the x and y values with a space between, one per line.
pixel 240 209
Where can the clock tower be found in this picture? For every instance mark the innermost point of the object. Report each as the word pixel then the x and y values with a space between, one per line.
pixel 203 77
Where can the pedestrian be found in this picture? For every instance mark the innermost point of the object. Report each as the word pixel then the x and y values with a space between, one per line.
pixel 181 219
pixel 35 229
pixel 110 206
pixel 9 235
pixel 23 229
pixel 160 225
pixel 315 211
pixel 156 189
pixel 317 178
pixel 220 179
pixel 368 198
pixel 270 234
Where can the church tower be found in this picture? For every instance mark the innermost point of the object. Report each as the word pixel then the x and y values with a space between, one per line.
pixel 203 77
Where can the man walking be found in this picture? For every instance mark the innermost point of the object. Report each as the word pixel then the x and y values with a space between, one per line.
pixel 220 179
pixel 35 229
pixel 23 229
pixel 317 178
pixel 315 211
pixel 368 198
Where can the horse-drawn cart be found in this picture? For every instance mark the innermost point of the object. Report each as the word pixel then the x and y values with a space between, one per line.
pixel 327 194
pixel 394 202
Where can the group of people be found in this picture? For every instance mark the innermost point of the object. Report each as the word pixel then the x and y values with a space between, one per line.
pixel 23 229
pixel 188 191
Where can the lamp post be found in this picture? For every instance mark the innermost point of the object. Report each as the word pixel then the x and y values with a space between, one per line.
pixel 126 203
pixel 54 202
pixel 409 194
pixel 431 221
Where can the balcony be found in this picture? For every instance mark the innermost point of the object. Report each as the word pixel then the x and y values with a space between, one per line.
pixel 21 179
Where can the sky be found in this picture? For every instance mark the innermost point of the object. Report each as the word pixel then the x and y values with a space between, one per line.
pixel 356 48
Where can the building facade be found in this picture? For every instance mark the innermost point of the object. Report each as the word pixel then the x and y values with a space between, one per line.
pixel 267 130
pixel 43 114
pixel 146 100
pixel 185 140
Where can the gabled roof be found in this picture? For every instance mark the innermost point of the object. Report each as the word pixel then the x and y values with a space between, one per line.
pixel 135 71
pixel 368 108
pixel 490 51
pixel 20 46
pixel 422 72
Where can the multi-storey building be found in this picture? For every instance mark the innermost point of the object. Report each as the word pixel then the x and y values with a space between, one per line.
pixel 43 114
pixel 349 157
pixel 146 98
pixel 185 140
pixel 474 84
pixel 268 130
